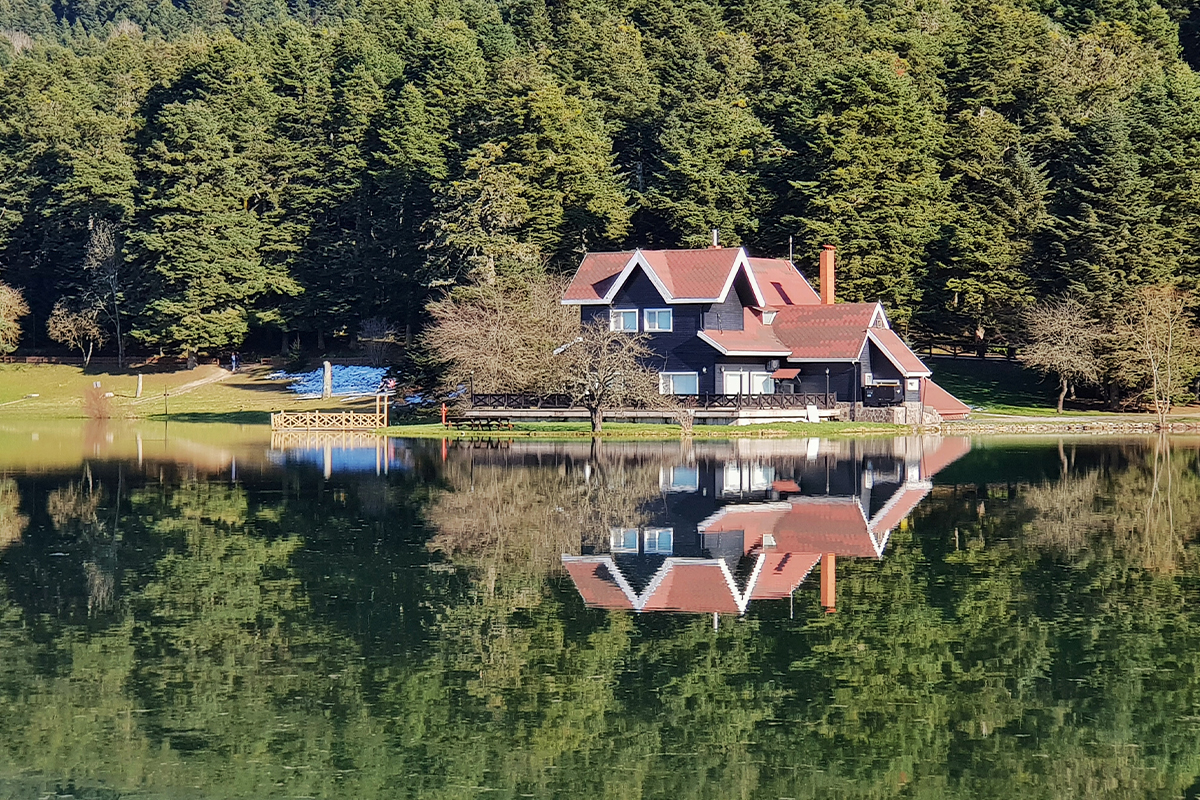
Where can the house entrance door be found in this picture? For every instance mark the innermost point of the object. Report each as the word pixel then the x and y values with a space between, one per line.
pixel 737 382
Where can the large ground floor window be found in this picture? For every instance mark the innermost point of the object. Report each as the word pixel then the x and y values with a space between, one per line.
pixel 748 382
pixel 678 383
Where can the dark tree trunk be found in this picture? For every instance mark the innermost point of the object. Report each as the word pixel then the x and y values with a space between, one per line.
pixel 597 419
pixel 283 343
pixel 1114 396
pixel 1062 393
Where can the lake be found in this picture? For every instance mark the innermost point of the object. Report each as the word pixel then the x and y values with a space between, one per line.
pixel 207 612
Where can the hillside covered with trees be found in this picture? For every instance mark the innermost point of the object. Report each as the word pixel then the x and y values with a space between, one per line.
pixel 206 171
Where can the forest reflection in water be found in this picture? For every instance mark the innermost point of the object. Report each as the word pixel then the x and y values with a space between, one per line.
pixel 1013 619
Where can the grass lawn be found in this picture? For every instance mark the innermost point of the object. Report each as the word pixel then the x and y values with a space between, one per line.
pixel 641 430
pixel 205 394
pixel 1000 387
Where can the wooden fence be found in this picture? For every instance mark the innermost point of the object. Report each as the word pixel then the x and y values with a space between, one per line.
pixel 333 420
pixel 526 400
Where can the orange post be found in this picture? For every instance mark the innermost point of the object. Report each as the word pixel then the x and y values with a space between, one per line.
pixel 443 415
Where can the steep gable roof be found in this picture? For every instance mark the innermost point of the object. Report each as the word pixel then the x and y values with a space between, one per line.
pixel 899 353
pixel 782 284
pixel 826 332
pixel 681 276
pixel 946 404
pixel 755 338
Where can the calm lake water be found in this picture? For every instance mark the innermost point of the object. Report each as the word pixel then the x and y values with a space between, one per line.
pixel 202 612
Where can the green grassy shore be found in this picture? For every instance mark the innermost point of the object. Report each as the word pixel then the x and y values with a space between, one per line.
pixel 1001 391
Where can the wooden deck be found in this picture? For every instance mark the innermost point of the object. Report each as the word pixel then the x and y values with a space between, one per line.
pixel 333 420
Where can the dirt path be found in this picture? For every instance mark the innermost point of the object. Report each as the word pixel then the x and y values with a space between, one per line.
pixel 216 377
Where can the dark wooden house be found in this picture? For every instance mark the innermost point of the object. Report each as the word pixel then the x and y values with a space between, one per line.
pixel 724 324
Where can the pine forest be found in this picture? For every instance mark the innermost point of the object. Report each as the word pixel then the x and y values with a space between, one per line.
pixel 206 173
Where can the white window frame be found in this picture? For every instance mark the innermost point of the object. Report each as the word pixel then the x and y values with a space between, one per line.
pixel 652 541
pixel 666 383
pixel 679 479
pixel 617 540
pixel 652 313
pixel 616 314
pixel 768 383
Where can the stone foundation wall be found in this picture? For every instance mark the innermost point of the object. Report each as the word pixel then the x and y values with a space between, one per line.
pixel 905 414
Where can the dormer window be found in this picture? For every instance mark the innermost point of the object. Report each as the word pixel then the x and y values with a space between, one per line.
pixel 623 321
pixel 769 317
pixel 659 319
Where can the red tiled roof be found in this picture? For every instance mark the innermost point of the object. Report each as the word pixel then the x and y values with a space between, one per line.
pixel 698 274
pixel 949 449
pixel 900 354
pixel 825 525
pixel 781 283
pixel 946 404
pixel 799 525
pixel 785 373
pixel 596 584
pixel 756 338
pixel 595 275
pixel 781 573
pixel 900 506
pixel 817 332
pixel 698 587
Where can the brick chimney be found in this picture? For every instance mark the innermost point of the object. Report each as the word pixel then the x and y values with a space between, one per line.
pixel 829 583
pixel 827 252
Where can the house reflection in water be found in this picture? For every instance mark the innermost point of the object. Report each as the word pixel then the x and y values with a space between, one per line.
pixel 748 529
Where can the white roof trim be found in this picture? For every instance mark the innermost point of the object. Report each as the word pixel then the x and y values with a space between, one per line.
pixel 636 260
pixel 854 360
pixel 713 519
pixel 906 373
pixel 740 262
pixel 639 601
pixel 720 349
pixel 876 314
pixel 881 541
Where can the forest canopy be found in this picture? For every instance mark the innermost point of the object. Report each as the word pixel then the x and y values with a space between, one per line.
pixel 200 172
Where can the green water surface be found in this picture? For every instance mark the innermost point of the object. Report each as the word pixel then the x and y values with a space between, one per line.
pixel 190 614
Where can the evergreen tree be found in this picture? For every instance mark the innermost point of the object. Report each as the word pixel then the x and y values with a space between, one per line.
pixel 208 209
pixel 870 182
pixel 1110 235
pixel 982 258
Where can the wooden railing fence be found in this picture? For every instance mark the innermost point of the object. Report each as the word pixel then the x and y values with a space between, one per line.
pixel 527 400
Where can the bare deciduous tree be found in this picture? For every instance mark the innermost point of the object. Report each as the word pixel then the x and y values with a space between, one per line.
pixel 602 368
pixel 501 337
pixel 378 338
pixel 12 308
pixel 108 276
pixel 20 41
pixel 77 329
pixel 1160 348
pixel 1063 338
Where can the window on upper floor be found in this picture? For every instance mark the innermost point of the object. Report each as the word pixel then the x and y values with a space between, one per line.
pixel 622 321
pixel 660 540
pixel 659 319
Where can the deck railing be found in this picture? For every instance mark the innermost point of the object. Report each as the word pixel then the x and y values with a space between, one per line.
pixel 527 400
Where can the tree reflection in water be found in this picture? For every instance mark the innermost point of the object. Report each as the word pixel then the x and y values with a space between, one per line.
pixel 1031 631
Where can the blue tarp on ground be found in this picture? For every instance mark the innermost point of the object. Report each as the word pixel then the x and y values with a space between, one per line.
pixel 346 380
